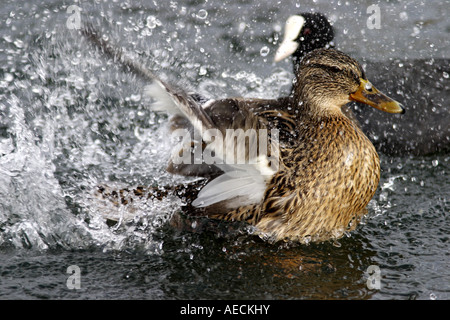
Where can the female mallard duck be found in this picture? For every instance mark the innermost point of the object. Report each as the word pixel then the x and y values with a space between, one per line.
pixel 424 130
pixel 327 171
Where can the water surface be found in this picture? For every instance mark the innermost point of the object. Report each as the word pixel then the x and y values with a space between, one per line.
pixel 70 120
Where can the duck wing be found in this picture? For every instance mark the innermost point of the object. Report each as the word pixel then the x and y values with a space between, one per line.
pixel 221 126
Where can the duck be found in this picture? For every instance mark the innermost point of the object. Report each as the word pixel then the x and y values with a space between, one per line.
pixel 424 130
pixel 321 170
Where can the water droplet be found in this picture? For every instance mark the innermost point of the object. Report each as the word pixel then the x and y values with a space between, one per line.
pixel 307 239
pixel 92 81
pixel 75 61
pixel 383 196
pixel 445 74
pixel 403 16
pixel 8 77
pixel 202 71
pixel 135 97
pixel 153 22
pixel 435 163
pixel 432 296
pixel 336 244
pixel 242 27
pixel 264 51
pixel 202 14
pixel 18 43
pixel 416 31
pixel 37 90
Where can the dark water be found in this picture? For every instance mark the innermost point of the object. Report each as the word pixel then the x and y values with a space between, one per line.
pixel 70 120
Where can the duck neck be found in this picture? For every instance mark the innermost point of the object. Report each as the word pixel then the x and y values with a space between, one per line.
pixel 316 108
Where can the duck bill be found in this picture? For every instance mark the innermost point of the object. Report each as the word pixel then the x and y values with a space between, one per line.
pixel 369 95
pixel 286 48
pixel 291 32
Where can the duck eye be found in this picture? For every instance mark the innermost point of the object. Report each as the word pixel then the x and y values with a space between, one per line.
pixel 307 31
pixel 334 69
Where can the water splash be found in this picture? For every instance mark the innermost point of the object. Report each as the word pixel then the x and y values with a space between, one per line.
pixel 34 213
pixel 72 128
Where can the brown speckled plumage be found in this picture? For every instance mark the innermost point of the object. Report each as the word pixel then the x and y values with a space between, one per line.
pixel 328 169
pixel 322 187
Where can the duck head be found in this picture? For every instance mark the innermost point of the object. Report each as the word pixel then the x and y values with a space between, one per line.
pixel 303 33
pixel 328 79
